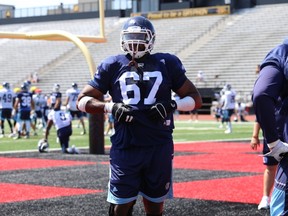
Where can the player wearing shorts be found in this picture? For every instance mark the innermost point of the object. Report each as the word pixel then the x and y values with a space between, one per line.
pixel 6 106
pixel 63 125
pixel 272 84
pixel 24 106
pixel 140 85
pixel 71 99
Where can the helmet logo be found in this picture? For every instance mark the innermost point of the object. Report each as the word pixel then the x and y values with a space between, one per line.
pixel 134 29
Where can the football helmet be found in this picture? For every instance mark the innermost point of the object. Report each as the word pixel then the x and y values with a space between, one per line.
pixel 56 87
pixel 43 146
pixel 27 83
pixel 228 87
pixel 24 87
pixel 137 36
pixel 74 85
pixel 6 85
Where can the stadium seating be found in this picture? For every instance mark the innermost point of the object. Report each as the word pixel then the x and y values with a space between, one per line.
pixel 226 47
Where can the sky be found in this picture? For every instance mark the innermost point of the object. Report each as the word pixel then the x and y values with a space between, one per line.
pixel 36 3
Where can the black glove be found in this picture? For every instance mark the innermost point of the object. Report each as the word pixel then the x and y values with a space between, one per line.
pixel 122 112
pixel 284 107
pixel 160 110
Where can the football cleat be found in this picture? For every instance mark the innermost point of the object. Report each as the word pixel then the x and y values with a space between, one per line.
pixel 73 150
pixel 264 204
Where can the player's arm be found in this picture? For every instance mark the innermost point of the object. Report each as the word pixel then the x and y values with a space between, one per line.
pixel 32 104
pixel 190 97
pixel 266 91
pixel 66 101
pixel 255 142
pixel 90 100
pixel 57 105
pixel 15 108
pixel 48 127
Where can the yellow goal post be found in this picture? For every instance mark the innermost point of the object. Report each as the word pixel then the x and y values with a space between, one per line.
pixel 96 121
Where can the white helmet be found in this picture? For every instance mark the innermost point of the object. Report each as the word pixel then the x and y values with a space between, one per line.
pixel 43 146
pixel 56 87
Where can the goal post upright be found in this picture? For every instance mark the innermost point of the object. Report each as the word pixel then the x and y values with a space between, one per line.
pixel 96 121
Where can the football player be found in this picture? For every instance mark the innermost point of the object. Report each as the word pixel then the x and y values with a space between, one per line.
pixel 71 99
pixel 56 97
pixel 63 125
pixel 6 106
pixel 271 84
pixel 228 106
pixel 40 106
pixel 140 85
pixel 25 104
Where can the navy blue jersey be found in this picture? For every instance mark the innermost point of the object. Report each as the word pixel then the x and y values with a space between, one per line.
pixel 158 75
pixel 271 85
pixel 54 96
pixel 25 99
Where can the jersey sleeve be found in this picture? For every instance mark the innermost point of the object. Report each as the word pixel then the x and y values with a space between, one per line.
pixel 176 70
pixel 267 89
pixel 102 77
pixel 277 57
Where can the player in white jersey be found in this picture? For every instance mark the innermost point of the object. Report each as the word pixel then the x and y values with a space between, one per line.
pixel 6 106
pixel 228 106
pixel 40 106
pixel 71 98
pixel 63 125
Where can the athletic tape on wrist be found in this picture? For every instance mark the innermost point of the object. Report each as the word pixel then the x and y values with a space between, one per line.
pixel 108 107
pixel 185 104
pixel 82 103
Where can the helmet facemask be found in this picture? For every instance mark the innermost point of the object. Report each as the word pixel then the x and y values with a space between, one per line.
pixel 137 41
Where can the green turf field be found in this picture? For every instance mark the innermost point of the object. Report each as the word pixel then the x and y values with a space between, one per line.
pixel 185 131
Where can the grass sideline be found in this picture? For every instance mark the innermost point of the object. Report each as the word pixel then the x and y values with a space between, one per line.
pixel 185 131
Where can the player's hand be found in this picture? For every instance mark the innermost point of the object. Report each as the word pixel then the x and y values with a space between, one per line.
pixel 254 143
pixel 122 112
pixel 13 113
pixel 160 110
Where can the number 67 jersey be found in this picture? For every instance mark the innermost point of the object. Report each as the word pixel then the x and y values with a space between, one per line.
pixel 141 87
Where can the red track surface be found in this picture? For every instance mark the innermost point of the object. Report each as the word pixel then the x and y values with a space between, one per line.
pixel 228 157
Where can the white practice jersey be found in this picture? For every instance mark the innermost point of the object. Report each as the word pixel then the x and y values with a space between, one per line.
pixel 228 99
pixel 60 118
pixel 39 101
pixel 6 98
pixel 72 95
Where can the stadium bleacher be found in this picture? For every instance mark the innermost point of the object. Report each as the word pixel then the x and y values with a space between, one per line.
pixel 226 47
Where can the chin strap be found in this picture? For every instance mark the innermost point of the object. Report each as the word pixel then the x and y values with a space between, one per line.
pixel 134 64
